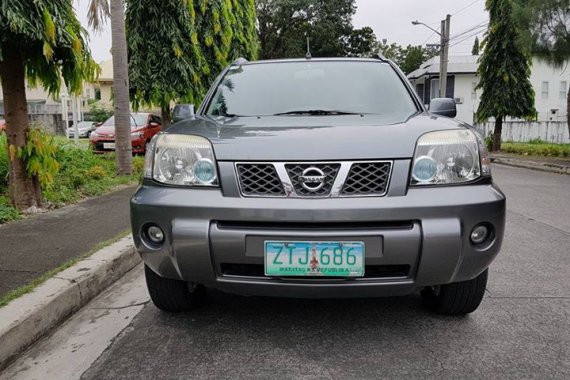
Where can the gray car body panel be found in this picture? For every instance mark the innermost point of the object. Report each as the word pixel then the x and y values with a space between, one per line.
pixel 423 228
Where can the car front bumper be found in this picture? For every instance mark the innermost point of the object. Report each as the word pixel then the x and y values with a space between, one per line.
pixel 414 240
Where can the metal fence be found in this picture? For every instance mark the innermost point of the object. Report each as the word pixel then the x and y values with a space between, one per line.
pixel 523 131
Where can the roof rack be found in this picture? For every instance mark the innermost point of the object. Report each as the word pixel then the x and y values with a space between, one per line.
pixel 240 61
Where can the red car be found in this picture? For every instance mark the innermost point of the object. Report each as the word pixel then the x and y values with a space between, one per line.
pixel 143 127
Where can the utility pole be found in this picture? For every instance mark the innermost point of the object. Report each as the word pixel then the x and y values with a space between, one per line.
pixel 444 56
pixel 443 52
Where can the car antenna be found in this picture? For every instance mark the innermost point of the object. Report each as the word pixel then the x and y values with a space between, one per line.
pixel 308 55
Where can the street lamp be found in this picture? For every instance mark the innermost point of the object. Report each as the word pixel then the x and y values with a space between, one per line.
pixel 443 53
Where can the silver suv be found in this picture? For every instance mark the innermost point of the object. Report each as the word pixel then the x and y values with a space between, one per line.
pixel 318 178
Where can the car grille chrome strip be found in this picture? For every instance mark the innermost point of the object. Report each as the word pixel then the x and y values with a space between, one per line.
pixel 314 179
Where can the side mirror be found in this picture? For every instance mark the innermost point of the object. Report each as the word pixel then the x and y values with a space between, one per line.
pixel 443 107
pixel 154 125
pixel 182 111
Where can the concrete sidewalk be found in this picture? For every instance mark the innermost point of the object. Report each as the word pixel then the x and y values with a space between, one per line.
pixel 558 165
pixel 43 242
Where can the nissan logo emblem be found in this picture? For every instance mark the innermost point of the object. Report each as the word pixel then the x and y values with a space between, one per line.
pixel 312 179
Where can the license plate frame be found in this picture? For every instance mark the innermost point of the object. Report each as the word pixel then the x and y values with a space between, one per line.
pixel 109 146
pixel 287 258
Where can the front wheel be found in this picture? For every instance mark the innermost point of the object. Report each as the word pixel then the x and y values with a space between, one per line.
pixel 173 295
pixel 458 298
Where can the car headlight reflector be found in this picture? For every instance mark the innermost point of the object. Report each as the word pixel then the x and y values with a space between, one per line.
pixel 446 157
pixel 181 160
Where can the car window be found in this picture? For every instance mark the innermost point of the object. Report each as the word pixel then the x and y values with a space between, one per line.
pixel 155 119
pixel 348 86
pixel 136 120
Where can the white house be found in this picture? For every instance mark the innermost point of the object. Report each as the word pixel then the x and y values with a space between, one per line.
pixel 550 86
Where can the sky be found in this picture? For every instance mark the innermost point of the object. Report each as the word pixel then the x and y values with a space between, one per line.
pixel 390 19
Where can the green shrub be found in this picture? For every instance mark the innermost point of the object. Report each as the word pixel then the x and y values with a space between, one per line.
pixel 3 163
pixel 7 212
pixel 97 172
pixel 537 148
pixel 536 141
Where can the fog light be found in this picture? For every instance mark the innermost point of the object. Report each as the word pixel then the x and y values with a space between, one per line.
pixel 155 234
pixel 479 234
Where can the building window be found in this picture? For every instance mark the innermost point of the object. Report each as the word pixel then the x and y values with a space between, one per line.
pixel 473 90
pixel 544 90
pixel 434 89
pixel 563 90
pixel 97 94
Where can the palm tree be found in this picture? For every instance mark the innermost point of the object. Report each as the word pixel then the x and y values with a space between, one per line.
pixel 42 41
pixel 99 11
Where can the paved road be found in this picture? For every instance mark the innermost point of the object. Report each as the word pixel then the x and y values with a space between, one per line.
pixel 33 246
pixel 520 331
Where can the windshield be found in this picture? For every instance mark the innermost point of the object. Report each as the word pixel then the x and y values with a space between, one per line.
pixel 137 120
pixel 312 88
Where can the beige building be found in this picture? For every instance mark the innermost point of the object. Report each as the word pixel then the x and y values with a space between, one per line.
pixel 104 86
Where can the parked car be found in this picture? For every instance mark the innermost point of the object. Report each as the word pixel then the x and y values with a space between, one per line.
pixel 84 129
pixel 143 127
pixel 318 178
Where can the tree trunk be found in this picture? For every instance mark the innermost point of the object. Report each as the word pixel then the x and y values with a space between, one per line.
pixel 568 111
pixel 123 145
pixel 24 190
pixel 497 134
pixel 165 116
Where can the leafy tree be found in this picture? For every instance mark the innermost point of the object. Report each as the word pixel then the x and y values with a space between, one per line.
pixel 475 50
pixel 99 11
pixel 409 58
pixel 504 70
pixel 545 31
pixel 44 42
pixel 360 42
pixel 198 40
pixel 284 26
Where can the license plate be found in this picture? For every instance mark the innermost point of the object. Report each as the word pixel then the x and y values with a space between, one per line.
pixel 330 258
pixel 108 145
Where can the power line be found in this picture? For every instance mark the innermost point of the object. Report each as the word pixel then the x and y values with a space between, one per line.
pixel 468 37
pixel 465 8
pixel 469 30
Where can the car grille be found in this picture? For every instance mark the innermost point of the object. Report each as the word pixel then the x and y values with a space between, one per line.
pixel 295 172
pixel 335 179
pixel 259 180
pixel 367 178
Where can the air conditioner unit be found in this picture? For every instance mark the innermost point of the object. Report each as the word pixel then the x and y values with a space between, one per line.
pixel 458 100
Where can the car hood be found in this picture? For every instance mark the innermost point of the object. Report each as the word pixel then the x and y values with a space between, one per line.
pixel 298 138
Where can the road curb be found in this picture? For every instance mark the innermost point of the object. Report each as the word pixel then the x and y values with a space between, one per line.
pixel 545 167
pixel 27 318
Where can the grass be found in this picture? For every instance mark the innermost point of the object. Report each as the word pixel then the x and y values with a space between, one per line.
pixel 536 147
pixel 30 286
pixel 82 174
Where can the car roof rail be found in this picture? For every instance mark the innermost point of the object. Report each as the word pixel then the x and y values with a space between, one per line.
pixel 239 61
pixel 381 57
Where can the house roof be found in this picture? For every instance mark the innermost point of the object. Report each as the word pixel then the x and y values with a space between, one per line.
pixel 106 71
pixel 457 64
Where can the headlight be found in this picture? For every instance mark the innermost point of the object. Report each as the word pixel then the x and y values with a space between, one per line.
pixel 94 134
pixel 181 160
pixel 448 157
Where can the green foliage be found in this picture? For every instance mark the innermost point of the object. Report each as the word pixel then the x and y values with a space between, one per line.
pixel 537 148
pixel 7 212
pixel 100 111
pixel 409 58
pixel 50 40
pixel 177 48
pixel 284 26
pixel 545 28
pixel 475 50
pixel 504 69
pixel 40 156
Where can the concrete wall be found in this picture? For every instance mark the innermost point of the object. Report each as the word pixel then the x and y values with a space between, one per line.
pixel 51 123
pixel 520 131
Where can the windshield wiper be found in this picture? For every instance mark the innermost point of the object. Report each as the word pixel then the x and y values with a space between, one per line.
pixel 316 113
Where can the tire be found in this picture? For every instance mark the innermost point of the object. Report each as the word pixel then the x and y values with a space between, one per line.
pixel 173 295
pixel 459 298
